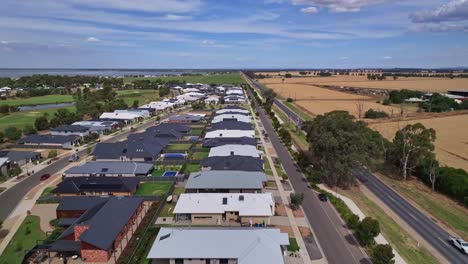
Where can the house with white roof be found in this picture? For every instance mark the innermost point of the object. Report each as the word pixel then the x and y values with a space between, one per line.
pixel 235 92
pixel 232 110
pixel 231 117
pixel 219 245
pixel 188 90
pixel 212 99
pixel 126 117
pixel 224 133
pixel 237 150
pixel 225 208
pixel 158 106
pixel 140 112
pixel 187 98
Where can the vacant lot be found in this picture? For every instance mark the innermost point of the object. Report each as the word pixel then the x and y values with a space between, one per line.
pixel 227 78
pixel 39 100
pixel 412 83
pixel 316 100
pixel 452 137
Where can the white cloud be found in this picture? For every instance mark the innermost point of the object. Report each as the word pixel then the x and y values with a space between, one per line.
pixel 455 10
pixel 4 42
pixel 309 10
pixel 159 6
pixel 344 58
pixel 340 6
pixel 208 42
pixel 93 39
pixel 387 58
pixel 172 17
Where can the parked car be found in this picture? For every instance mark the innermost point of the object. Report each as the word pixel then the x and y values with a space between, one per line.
pixel 73 158
pixel 323 197
pixel 44 177
pixel 459 243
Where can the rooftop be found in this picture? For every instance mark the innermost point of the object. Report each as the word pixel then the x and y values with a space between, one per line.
pixel 111 168
pixel 70 128
pixel 233 163
pixel 231 150
pixel 98 184
pixel 229 133
pixel 226 180
pixel 38 139
pixel 225 117
pixel 247 245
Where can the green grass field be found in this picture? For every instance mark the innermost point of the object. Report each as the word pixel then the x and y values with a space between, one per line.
pixel 182 147
pixel 227 78
pixel 21 119
pixel 143 96
pixel 153 188
pixel 39 100
pixel 200 155
pixel 189 168
pixel 196 131
pixel 24 239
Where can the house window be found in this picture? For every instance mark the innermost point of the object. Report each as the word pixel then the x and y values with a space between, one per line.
pixel 223 261
pixel 180 261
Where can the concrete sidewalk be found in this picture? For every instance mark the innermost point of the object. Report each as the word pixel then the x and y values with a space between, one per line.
pixel 380 239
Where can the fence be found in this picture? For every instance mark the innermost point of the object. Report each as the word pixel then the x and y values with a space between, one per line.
pixel 175 162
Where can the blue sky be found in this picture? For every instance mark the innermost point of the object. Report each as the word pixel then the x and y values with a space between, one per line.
pixel 233 33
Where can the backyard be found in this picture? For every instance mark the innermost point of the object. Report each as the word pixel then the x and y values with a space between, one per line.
pixel 182 147
pixel 24 239
pixel 154 188
pixel 200 155
pixel 189 168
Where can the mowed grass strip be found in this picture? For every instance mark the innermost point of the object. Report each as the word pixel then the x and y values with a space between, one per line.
pixel 38 100
pixel 24 239
pixel 179 146
pixel 398 238
pixel 222 78
pixel 153 188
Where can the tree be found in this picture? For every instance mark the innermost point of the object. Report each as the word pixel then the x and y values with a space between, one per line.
pixel 12 133
pixel 285 136
pixel 296 200
pixel 352 221
pixel 2 137
pixel 382 254
pixel 411 144
pixel 340 144
pixel 41 123
pixel 135 104
pixel 4 109
pixel 433 173
pixel 289 100
pixel 52 154
pixel 367 230
pixel 372 114
pixel 29 130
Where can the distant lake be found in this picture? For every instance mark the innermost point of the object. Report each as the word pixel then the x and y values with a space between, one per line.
pixel 15 73
pixel 44 106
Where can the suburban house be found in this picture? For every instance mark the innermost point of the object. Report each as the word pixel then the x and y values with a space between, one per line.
pixel 220 141
pixel 225 208
pixel 212 99
pixel 138 147
pixel 70 130
pixel 181 128
pixel 97 186
pixel 161 131
pixel 229 133
pixel 236 109
pixel 188 98
pixel 184 119
pixel 231 125
pixel 126 117
pixel 234 91
pixel 4 166
pixel 98 126
pixel 110 169
pixel 142 113
pixel 232 163
pixel 20 157
pixel 219 245
pixel 97 228
pixel 231 117
pixel 234 99
pixel 235 150
pixel 48 141
pixel 158 106
pixel 235 181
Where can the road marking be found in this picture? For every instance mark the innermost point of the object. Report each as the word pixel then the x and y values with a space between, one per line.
pixel 444 242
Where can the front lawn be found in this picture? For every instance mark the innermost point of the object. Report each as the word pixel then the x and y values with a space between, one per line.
pixel 182 147
pixel 153 188
pixel 24 239
pixel 196 131
pixel 200 155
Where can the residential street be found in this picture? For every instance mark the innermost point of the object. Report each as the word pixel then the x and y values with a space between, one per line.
pixel 338 244
pixel 10 198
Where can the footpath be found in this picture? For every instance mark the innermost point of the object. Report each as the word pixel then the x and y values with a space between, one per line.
pixel 380 239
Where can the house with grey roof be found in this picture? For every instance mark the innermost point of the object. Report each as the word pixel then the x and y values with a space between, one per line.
pixel 231 125
pixel 48 141
pixel 220 141
pixel 20 157
pixel 140 147
pixel 232 163
pixel 97 186
pixel 185 119
pixel 96 227
pixel 110 169
pixel 235 181
pixel 70 130
pixel 99 127
pixel 219 245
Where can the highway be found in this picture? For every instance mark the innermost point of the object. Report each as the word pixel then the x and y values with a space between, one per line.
pixel 423 225
pixel 338 244
pixel 11 197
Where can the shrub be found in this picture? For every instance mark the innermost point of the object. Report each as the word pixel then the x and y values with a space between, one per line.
pixel 367 230
pixel 12 133
pixel 289 100
pixel 352 221
pixel 29 130
pixel 382 254
pixel 296 199
pixel 372 114
pixel 293 246
pixel 3 233
pixel 52 154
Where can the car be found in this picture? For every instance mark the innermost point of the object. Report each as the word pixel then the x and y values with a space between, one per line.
pixel 459 243
pixel 323 197
pixel 73 158
pixel 44 177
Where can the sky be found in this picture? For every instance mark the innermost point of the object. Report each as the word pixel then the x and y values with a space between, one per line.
pixel 233 33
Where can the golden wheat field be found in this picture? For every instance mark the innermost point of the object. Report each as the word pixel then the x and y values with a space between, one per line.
pixel 452 137
pixel 412 83
pixel 316 100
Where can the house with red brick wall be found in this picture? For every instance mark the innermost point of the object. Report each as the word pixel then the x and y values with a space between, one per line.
pixel 96 225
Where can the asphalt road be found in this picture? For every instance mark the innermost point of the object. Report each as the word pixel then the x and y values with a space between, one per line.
pixel 337 243
pixel 423 225
pixel 11 197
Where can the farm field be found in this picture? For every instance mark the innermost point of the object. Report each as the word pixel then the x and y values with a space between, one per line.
pixel 38 100
pixel 451 137
pixel 228 78
pixel 412 83
pixel 143 96
pixel 316 100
